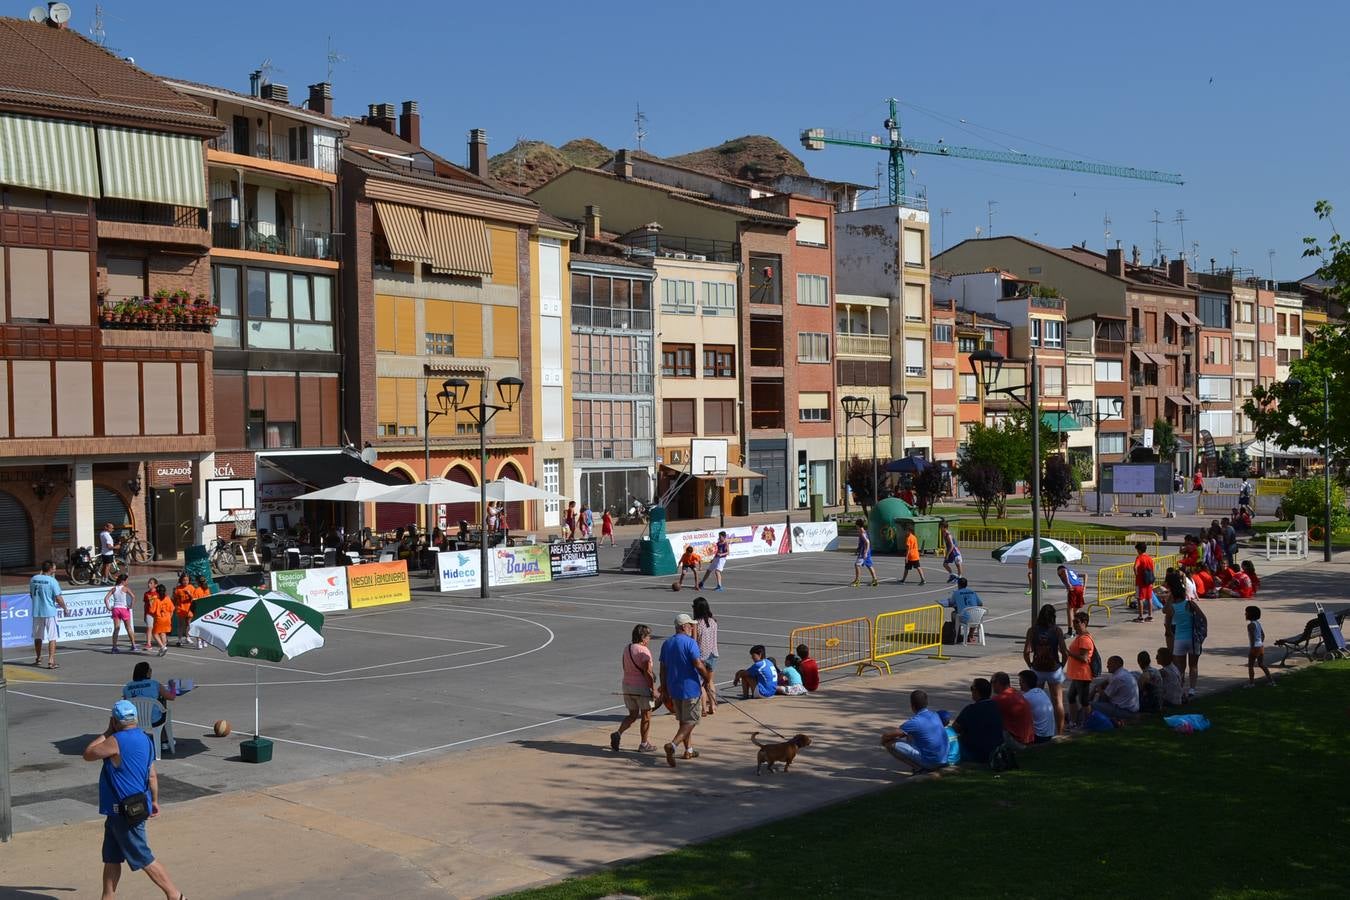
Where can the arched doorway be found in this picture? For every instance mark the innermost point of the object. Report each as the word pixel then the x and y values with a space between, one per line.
pixel 391 516
pixel 515 512
pixel 452 513
pixel 17 547
pixel 108 507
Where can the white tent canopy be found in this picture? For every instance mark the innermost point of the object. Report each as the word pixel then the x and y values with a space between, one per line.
pixel 431 492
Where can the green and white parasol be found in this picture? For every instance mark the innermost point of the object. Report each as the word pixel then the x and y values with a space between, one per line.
pixel 1052 551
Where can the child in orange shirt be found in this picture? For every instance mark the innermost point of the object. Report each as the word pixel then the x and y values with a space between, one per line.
pixel 200 591
pixel 183 595
pixel 689 561
pixel 912 560
pixel 161 612
pixel 151 592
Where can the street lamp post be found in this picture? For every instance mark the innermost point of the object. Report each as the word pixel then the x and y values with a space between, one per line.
pixel 865 410
pixel 508 390
pixel 444 399
pixel 1084 411
pixel 6 819
pixel 987 364
pixel 1295 384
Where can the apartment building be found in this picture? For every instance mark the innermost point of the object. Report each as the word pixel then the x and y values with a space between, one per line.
pixel 975 331
pixel 1288 331
pixel 942 353
pixel 448 276
pixel 1245 348
pixel 105 344
pixel 862 369
pixel 1100 340
pixel 1265 336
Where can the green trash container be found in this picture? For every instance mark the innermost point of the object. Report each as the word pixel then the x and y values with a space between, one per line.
pixel 881 524
pixel 925 529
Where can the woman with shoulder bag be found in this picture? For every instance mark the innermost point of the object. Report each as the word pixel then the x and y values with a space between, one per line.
pixel 638 689
pixel 1188 627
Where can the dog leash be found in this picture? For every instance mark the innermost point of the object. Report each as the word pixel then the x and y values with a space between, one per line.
pixel 753 719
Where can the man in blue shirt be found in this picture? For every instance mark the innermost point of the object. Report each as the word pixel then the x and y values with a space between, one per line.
pixel 962 598
pixel 45 592
pixel 682 677
pixel 128 769
pixel 980 725
pixel 142 685
pixel 760 679
pixel 921 741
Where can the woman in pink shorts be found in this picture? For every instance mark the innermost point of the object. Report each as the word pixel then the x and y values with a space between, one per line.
pixel 118 600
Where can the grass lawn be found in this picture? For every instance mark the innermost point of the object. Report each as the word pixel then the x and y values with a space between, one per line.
pixel 967 515
pixel 1256 807
pixel 1340 540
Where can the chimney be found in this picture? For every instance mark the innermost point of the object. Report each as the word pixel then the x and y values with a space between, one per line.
pixel 593 222
pixel 478 152
pixel 1115 262
pixel 321 98
pixel 384 112
pixel 254 82
pixel 276 92
pixel 410 123
pixel 623 166
pixel 1176 271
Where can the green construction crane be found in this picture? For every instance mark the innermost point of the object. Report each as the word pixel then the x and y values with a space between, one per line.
pixel 897 146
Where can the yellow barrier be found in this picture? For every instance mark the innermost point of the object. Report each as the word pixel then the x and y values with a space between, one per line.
pixel 1117 582
pixel 835 645
pixel 980 537
pixel 907 631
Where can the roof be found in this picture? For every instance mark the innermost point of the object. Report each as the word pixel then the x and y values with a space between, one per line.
pixel 300 112
pixel 685 196
pixel 45 70
pixel 606 260
pixel 1088 259
pixel 387 169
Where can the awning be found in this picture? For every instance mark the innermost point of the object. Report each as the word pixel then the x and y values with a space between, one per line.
pixel 1180 399
pixel 459 245
pixel 151 166
pixel 1141 356
pixel 1060 422
pixel 403 232
pixel 1194 319
pixel 1158 359
pixel 49 155
pixel 1180 319
pixel 321 470
pixel 1194 400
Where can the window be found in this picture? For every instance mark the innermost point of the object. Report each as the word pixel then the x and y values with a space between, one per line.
pixel 225 291
pixel 914 304
pixel 813 347
pixel 676 297
pixel 719 298
pixel 813 406
pixel 914 356
pixel 719 361
pixel 1246 351
pixel 1244 313
pixel 1214 311
pixel 916 412
pixel 967 344
pixel 813 290
pixel 914 247
pixel 943 426
pixel 1052 381
pixel 1034 332
pixel 1294 326
pixel 811 230
pixel 678 416
pixel 766 278
pixel 1080 374
pixel 1282 357
pixel 1052 333
pixel 719 416
pixel 943 379
pixel 969 387
pixel 942 334
pixel 604 302
pixel 1108 405
pixel 1111 443
pixel 1282 324
pixel 1267 315
pixel 1216 350
pixel 677 360
pixel 439 344
pixel 1267 348
pixel 288 311
pixel 1218 423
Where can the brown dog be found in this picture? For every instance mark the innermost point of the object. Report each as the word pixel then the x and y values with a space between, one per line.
pixel 784 752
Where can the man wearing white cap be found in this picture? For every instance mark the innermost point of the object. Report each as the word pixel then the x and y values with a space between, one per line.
pixel 128 794
pixel 683 675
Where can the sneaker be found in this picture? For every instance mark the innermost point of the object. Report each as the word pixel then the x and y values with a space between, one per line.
pixel 670 755
pixel 951 578
pixel 646 747
pixel 718 588
pixel 854 583
pixel 163 651
pixel 1028 592
pixel 115 650
pixel 614 738
pixel 875 582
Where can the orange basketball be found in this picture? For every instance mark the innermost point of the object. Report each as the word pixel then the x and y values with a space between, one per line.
pixel 674 585
pixel 222 728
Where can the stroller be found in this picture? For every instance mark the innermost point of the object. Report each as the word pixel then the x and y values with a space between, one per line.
pixel 1321 638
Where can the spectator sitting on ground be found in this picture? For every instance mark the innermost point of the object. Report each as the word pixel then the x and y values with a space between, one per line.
pixel 790 678
pixel 1042 710
pixel 1118 696
pixel 1019 730
pixel 1169 680
pixel 1150 685
pixel 1239 584
pixel 962 599
pixel 1189 557
pixel 1250 569
pixel 921 740
pixel 760 678
pixel 980 724
pixel 809 668
pixel 142 685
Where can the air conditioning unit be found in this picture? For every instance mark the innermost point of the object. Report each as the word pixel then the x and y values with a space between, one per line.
pixel 698 256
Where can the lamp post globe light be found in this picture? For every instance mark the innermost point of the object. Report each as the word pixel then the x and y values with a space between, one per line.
pixel 864 409
pixel 1086 412
pixel 1296 385
pixel 508 392
pixel 987 366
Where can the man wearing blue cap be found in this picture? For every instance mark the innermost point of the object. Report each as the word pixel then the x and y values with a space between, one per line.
pixel 128 781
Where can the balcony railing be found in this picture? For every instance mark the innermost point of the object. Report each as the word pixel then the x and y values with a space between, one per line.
pixel 1136 335
pixel 134 212
pixel 863 344
pixel 766 418
pixel 267 238
pixel 766 356
pixel 611 383
pixel 613 448
pixel 1116 348
pixel 678 246
pixel 1078 345
pixel 1047 302
pixel 278 150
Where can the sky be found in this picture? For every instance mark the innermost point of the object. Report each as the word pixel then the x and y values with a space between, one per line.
pixel 1245 100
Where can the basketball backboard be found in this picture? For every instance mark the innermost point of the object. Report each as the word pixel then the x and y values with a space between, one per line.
pixel 708 456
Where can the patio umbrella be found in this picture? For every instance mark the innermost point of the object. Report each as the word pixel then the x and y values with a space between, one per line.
pixel 504 490
pixel 911 464
pixel 1052 551
pixel 351 490
pixel 431 492
pixel 257 625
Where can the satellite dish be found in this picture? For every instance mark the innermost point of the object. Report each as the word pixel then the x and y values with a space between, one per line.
pixel 59 13
pixel 37 14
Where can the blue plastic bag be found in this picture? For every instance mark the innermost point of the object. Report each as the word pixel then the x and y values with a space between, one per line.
pixel 953 747
pixel 1187 724
pixel 1098 721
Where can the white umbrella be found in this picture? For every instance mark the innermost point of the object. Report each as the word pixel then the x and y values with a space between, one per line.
pixel 505 490
pixel 431 492
pixel 351 490
pixel 1052 551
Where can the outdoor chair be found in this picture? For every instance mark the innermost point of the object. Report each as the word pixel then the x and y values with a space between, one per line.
pixel 147 710
pixel 971 621
pixel 1291 543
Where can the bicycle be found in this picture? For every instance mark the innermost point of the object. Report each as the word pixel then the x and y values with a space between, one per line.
pixel 136 549
pixel 82 566
pixel 224 555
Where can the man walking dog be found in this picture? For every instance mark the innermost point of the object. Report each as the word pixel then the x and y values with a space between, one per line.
pixel 683 675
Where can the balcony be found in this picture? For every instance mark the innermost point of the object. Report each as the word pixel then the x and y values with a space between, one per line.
pixel 1136 421
pixel 862 344
pixel 1136 335
pixel 611 383
pixel 1107 347
pixel 766 342
pixel 178 311
pixel 277 149
pixel 266 238
pixel 613 448
pixel 1079 346
pixel 134 212
pixel 766 404
pixel 1056 303
pixel 678 246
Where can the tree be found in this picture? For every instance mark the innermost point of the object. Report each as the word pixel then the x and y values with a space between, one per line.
pixel 1164 440
pixel 1306 497
pixel 1056 488
pixel 984 481
pixel 1233 463
pixel 858 476
pixel 929 485
pixel 1007 447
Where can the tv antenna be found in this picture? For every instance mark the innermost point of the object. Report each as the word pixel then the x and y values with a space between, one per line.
pixel 1195 255
pixel 943 213
pixel 1106 229
pixel 1157 241
pixel 99 33
pixel 1180 219
pixel 990 204
pixel 520 158
pixel 639 126
pixel 1232 260
pixel 1271 253
pixel 265 71
pixel 334 58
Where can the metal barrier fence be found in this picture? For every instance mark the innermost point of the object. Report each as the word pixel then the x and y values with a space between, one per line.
pixel 1121 544
pixel 835 645
pixel 1117 582
pixel 1141 502
pixel 980 537
pixel 907 631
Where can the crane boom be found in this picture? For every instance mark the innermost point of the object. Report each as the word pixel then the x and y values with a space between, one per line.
pixel 897 146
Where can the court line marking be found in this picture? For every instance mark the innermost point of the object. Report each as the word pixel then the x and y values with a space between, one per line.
pixel 486 737
pixel 408 662
pixel 424 637
pixel 590 619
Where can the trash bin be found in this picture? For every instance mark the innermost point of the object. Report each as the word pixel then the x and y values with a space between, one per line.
pixel 925 529
pixel 817 508
pixel 740 505
pixel 882 523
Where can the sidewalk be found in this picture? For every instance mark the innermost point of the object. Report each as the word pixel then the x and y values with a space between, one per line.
pixel 487 821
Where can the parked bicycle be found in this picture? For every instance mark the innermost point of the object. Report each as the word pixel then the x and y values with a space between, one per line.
pixel 224 555
pixel 137 550
pixel 83 567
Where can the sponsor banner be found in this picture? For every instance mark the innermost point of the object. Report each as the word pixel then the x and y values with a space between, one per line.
pixel 520 565
pixel 812 537
pixel 1185 504
pixel 375 584
pixel 457 570
pixel 321 589
pixel 1276 486
pixel 85 619
pixel 573 559
pixel 1223 485
pixel 745 540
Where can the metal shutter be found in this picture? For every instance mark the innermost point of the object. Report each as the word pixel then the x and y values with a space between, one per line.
pixel 108 507
pixel 17 547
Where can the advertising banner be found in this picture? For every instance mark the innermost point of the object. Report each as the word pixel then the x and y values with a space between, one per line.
pixel 745 540
pixel 375 584
pixel 573 559
pixel 1223 485
pixel 16 620
pixel 812 537
pixel 1273 486
pixel 321 589
pixel 457 571
pixel 520 565
pixel 86 618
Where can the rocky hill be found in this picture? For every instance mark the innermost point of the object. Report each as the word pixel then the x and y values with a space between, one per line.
pixel 751 158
